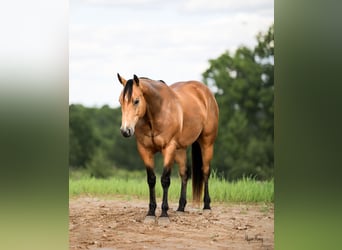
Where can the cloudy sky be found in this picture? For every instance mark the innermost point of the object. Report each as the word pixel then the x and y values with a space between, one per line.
pixel 168 40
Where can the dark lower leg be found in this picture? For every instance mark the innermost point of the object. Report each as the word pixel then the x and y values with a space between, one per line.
pixel 151 180
pixel 165 181
pixel 182 199
pixel 206 199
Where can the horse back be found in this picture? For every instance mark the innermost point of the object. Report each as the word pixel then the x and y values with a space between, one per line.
pixel 194 94
pixel 200 110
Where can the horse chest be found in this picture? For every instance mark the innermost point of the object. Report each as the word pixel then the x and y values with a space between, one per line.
pixel 150 138
pixel 156 143
pixel 147 138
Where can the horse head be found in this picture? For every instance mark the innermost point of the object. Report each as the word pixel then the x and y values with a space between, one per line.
pixel 133 105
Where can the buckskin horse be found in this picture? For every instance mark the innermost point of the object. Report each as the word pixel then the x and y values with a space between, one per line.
pixel 168 119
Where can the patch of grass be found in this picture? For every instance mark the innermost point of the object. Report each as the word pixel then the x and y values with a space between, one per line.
pixel 134 184
pixel 244 190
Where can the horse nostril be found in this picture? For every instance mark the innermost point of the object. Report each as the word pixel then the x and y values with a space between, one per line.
pixel 130 131
pixel 126 132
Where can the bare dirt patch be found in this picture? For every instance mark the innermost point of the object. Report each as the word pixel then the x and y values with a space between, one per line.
pixel 101 224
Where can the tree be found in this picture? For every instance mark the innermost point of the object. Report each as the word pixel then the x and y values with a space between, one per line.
pixel 244 89
pixel 82 140
pixel 94 137
pixel 100 166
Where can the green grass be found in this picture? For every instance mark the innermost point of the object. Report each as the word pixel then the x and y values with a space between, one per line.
pixel 134 185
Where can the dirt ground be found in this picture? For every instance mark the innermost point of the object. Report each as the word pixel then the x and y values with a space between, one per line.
pixel 103 224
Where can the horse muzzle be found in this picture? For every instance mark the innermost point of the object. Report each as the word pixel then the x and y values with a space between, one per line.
pixel 127 132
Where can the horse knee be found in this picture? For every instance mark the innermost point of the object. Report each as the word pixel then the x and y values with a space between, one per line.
pixel 165 178
pixel 151 178
pixel 165 182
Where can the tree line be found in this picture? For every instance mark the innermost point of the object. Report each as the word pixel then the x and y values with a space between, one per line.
pixel 243 84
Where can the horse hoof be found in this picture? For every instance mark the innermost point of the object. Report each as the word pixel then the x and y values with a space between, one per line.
pixel 150 219
pixel 180 211
pixel 207 211
pixel 163 221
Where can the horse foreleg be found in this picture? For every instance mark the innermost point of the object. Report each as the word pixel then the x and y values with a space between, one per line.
pixel 147 157
pixel 169 155
pixel 165 181
pixel 151 180
pixel 180 158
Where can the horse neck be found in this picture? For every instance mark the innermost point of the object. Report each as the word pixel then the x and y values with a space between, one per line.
pixel 154 101
pixel 152 97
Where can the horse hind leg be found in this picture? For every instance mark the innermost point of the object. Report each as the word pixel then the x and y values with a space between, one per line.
pixel 180 159
pixel 207 155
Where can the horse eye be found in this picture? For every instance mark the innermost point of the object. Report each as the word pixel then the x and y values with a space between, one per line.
pixel 136 102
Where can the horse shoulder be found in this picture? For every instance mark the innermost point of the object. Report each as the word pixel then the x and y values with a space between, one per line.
pixel 143 133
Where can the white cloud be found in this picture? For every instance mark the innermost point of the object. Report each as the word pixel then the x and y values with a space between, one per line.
pixel 228 5
pixel 121 2
pixel 158 43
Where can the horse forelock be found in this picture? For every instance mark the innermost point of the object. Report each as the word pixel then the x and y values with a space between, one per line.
pixel 128 90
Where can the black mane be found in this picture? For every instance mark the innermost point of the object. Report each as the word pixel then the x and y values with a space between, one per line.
pixel 128 89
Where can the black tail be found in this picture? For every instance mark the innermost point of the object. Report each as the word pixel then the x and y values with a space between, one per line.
pixel 197 174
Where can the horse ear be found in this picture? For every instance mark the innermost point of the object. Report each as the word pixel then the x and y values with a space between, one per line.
pixel 122 80
pixel 136 80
